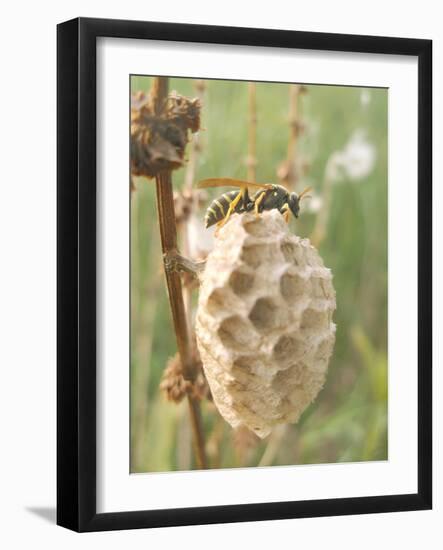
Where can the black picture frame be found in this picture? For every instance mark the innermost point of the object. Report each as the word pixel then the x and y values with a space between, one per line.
pixel 76 279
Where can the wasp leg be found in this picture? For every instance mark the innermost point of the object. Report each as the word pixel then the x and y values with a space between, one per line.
pixel 258 201
pixel 232 206
pixel 285 212
pixel 218 227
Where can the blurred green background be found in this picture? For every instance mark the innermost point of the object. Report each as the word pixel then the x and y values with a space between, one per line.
pixel 344 150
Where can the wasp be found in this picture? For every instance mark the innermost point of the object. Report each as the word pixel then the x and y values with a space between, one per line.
pixel 269 196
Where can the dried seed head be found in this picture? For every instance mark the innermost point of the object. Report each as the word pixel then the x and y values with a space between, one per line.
pixel 186 201
pixel 176 387
pixel 158 141
pixel 264 322
pixel 183 111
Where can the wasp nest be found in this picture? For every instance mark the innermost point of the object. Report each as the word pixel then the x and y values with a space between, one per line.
pixel 264 322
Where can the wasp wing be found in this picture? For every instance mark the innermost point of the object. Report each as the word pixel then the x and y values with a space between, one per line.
pixel 230 182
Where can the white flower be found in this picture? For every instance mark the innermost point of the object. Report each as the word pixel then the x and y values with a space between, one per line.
pixel 365 97
pixel 355 161
pixel 314 204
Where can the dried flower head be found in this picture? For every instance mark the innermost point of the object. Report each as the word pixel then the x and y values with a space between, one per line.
pixel 184 111
pixel 175 386
pixel 158 141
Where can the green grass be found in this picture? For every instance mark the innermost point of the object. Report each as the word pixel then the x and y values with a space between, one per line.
pixel 348 421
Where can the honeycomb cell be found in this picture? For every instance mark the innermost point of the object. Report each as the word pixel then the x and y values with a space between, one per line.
pixel 216 300
pixel 288 349
pixel 321 288
pixel 293 287
pixel 289 251
pixel 287 378
pixel 241 282
pixel 253 254
pixel 264 314
pixel 313 319
pixel 245 362
pixel 235 332
pixel 255 228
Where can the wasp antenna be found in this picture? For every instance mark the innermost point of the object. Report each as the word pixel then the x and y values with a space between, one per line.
pixel 303 194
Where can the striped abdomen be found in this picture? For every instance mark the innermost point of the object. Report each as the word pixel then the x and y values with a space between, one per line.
pixel 219 207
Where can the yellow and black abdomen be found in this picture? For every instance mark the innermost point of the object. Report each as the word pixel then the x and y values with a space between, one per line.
pixel 219 207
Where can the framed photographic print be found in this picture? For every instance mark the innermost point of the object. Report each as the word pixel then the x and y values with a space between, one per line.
pixel 244 274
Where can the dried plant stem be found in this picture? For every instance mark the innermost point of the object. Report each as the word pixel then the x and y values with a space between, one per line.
pixel 176 262
pixel 215 440
pixel 291 156
pixel 195 149
pixel 184 442
pixel 273 446
pixel 168 234
pixel 321 223
pixel 187 293
pixel 159 93
pixel 191 170
pixel 252 132
pixel 293 120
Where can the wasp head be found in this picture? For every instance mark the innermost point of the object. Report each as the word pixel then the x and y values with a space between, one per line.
pixel 294 200
pixel 294 203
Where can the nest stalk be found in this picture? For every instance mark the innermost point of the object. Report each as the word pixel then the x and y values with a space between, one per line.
pixel 252 132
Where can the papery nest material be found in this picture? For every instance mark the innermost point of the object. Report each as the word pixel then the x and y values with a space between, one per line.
pixel 158 141
pixel 264 322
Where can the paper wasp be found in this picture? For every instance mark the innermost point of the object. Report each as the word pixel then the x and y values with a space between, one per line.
pixel 269 196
